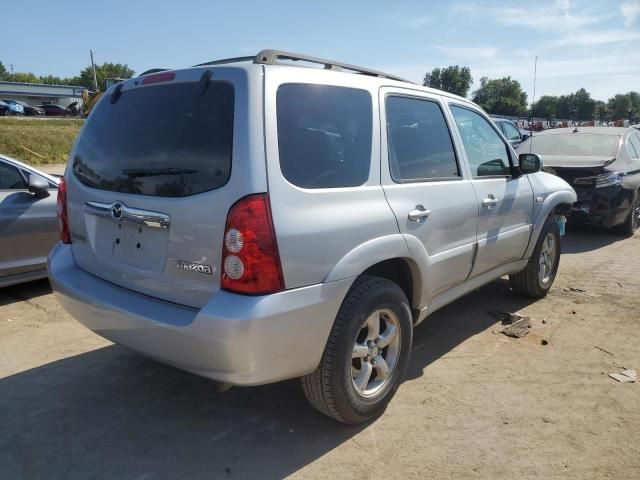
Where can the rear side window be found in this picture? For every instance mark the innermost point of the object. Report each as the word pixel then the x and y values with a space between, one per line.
pixel 324 135
pixel 419 142
pixel 166 140
pixel 487 153
pixel 634 143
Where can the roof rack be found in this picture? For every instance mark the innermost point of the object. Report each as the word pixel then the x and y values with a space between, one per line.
pixel 271 57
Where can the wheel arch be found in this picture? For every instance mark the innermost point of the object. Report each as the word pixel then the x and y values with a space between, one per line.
pixel 559 202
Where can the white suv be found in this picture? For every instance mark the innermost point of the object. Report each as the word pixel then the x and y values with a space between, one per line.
pixel 251 220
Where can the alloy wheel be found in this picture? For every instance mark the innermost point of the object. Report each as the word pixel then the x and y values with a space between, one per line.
pixel 376 352
pixel 547 261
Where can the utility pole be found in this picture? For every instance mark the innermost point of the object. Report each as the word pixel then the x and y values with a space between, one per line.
pixel 93 67
pixel 12 75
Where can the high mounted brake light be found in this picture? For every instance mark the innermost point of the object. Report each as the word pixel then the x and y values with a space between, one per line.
pixel 159 77
pixel 250 259
pixel 63 219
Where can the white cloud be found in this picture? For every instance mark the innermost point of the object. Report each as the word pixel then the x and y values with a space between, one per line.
pixel 597 37
pixel 412 22
pixel 469 53
pixel 630 11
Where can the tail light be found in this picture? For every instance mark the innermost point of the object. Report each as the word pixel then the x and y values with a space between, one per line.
pixel 63 220
pixel 250 259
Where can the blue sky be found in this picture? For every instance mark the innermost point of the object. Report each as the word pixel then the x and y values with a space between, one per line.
pixel 588 43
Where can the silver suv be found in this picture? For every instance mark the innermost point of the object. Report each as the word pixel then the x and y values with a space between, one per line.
pixel 251 220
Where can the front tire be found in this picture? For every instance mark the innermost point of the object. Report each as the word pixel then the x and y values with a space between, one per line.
pixel 366 355
pixel 632 223
pixel 537 277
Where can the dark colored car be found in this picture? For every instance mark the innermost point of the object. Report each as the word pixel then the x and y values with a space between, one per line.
pixel 511 131
pixel 602 164
pixel 28 109
pixel 51 110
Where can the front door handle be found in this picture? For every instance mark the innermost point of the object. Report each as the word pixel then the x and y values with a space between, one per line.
pixel 418 214
pixel 490 201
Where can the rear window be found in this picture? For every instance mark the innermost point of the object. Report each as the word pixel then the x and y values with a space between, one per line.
pixel 167 140
pixel 574 144
pixel 324 135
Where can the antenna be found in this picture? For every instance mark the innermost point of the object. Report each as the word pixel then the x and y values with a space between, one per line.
pixel 533 101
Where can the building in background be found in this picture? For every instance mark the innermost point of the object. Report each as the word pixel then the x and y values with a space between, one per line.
pixel 38 93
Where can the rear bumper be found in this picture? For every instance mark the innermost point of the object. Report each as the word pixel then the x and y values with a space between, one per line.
pixel 602 207
pixel 236 339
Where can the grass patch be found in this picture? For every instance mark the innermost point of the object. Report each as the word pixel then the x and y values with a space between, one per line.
pixel 50 139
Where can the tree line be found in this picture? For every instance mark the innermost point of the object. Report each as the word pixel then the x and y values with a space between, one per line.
pixel 84 79
pixel 504 96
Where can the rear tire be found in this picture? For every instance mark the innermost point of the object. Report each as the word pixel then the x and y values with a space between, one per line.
pixel 536 278
pixel 363 364
pixel 632 223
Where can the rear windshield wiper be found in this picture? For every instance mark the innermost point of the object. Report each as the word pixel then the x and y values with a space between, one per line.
pixel 154 172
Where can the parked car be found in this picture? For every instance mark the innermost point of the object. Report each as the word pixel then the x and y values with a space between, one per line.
pixel 4 109
pixel 52 110
pixel 28 225
pixel 14 107
pixel 603 165
pixel 252 222
pixel 511 131
pixel 28 109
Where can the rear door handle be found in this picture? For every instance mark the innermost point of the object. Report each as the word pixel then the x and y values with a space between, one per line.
pixel 419 213
pixel 490 201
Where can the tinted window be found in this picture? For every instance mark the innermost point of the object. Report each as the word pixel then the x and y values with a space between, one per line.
pixel 576 144
pixel 487 153
pixel 510 131
pixel 10 178
pixel 166 140
pixel 634 140
pixel 324 135
pixel 419 142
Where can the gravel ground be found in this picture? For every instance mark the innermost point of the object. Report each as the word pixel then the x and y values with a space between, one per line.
pixel 475 404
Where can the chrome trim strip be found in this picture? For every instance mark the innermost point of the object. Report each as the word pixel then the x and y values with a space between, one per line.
pixel 119 212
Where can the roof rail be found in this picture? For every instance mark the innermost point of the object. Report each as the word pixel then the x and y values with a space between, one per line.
pixel 271 57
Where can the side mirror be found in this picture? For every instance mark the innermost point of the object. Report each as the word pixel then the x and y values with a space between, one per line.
pixel 529 163
pixel 38 186
pixel 525 136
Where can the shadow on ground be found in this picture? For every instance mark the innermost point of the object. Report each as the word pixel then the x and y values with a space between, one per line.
pixel 24 291
pixel 110 413
pixel 580 239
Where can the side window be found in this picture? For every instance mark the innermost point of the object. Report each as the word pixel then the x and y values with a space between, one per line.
pixel 510 131
pixel 10 178
pixel 419 142
pixel 634 143
pixel 324 135
pixel 488 155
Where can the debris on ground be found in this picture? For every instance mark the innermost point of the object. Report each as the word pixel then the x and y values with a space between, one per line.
pixel 506 318
pixel 544 341
pixel 545 321
pixel 577 290
pixel 625 376
pixel 603 350
pixel 518 329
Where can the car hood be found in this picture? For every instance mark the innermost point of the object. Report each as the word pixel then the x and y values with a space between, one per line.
pixel 568 161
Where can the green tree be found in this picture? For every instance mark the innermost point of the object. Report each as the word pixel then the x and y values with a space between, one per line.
pixel 602 112
pixel 104 71
pixel 545 107
pixel 620 106
pixel 453 79
pixel 25 77
pixel 585 105
pixel 4 75
pixel 502 96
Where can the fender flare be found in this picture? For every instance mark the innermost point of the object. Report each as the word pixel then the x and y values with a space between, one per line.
pixel 549 203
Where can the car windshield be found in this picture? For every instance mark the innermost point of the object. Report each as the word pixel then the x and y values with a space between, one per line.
pixel 578 145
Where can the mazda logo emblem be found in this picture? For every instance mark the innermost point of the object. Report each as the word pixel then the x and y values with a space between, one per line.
pixel 116 210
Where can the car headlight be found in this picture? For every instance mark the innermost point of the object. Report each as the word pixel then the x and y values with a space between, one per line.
pixel 600 181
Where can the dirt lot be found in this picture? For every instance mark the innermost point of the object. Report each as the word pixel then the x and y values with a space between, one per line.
pixel 476 404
